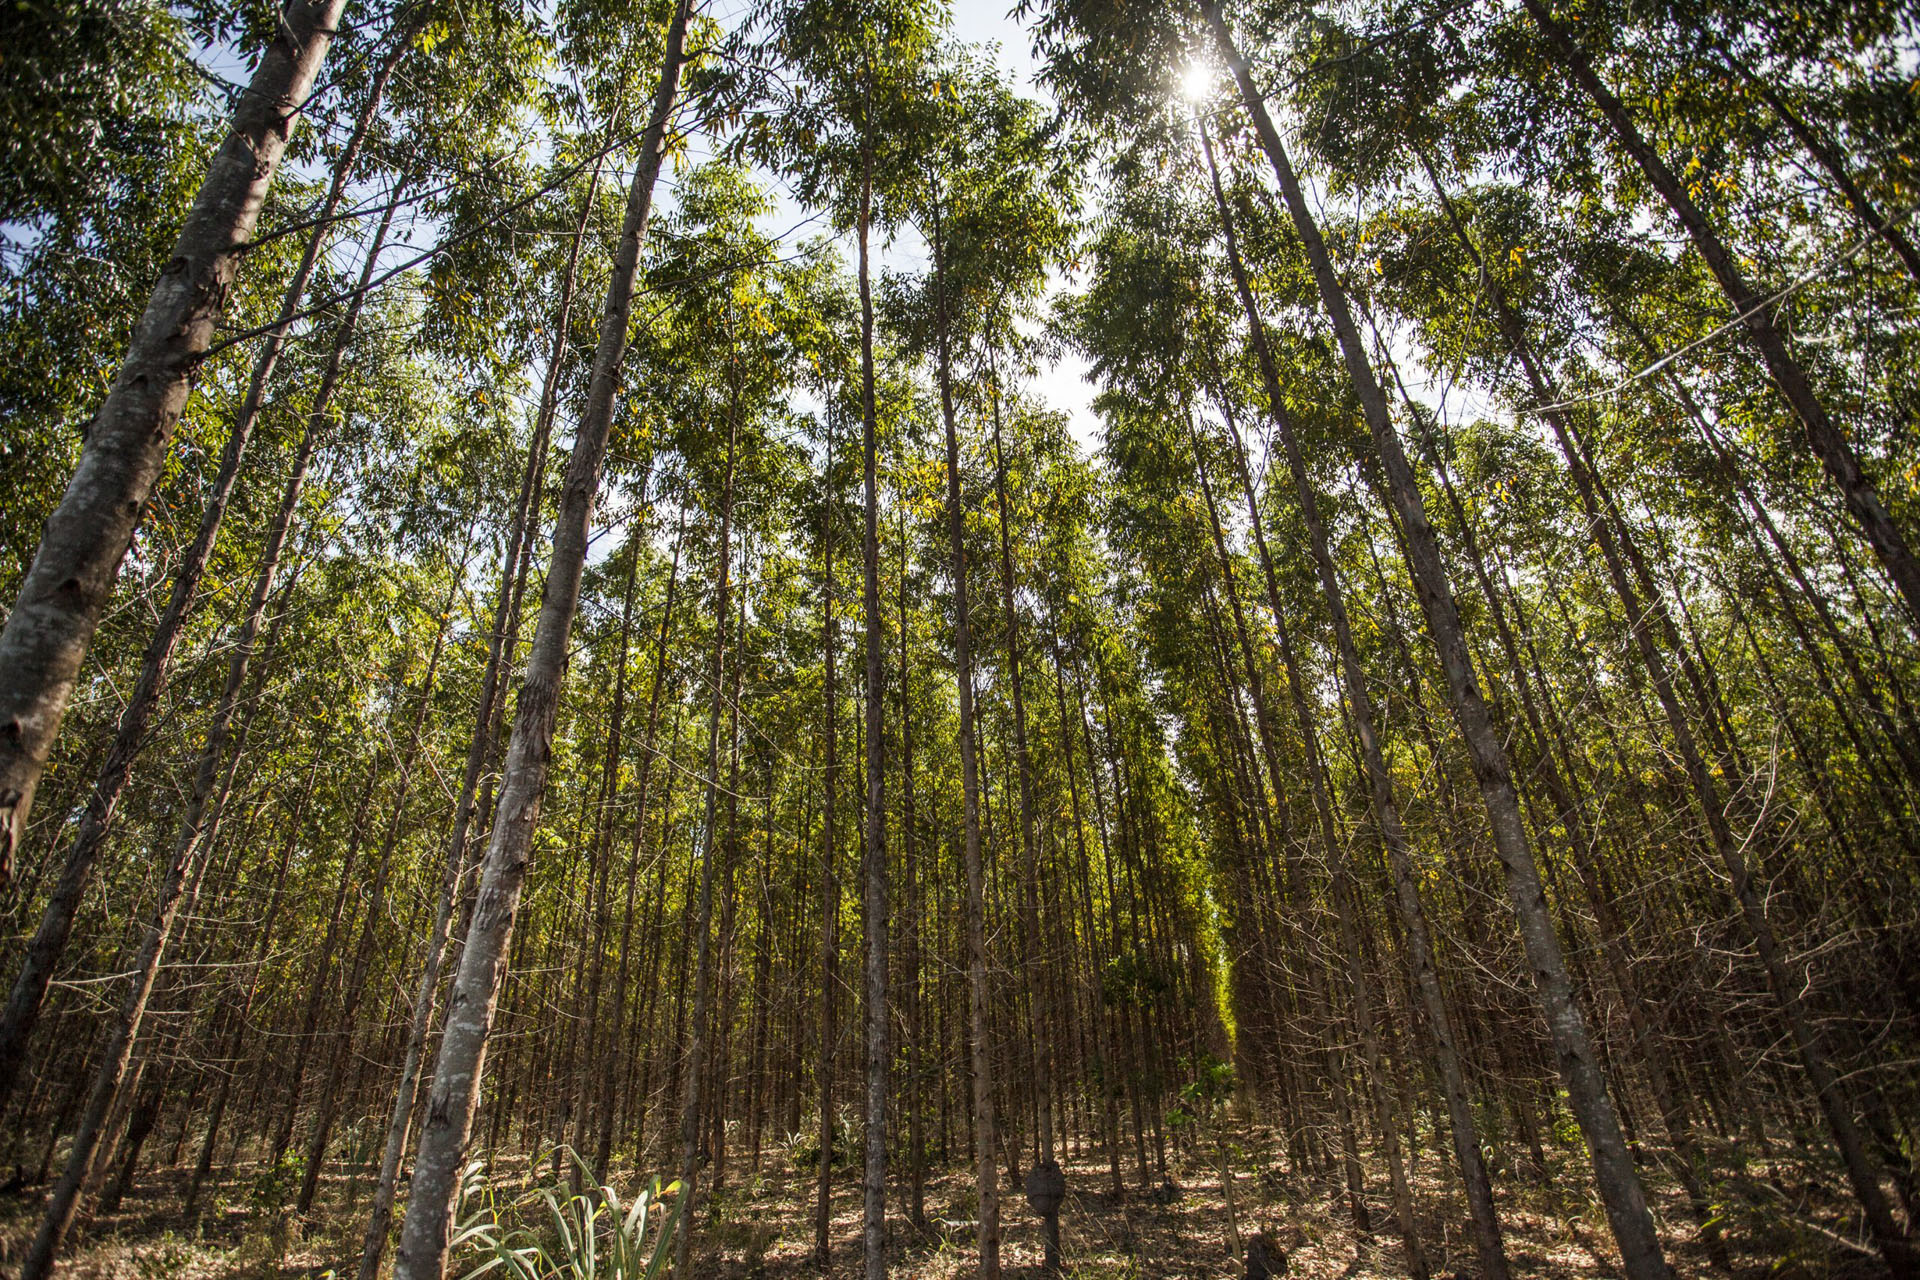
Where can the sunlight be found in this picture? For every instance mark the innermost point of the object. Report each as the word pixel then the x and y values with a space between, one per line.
pixel 1196 82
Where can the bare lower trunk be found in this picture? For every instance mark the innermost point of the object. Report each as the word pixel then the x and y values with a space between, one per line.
pixel 225 1064
pixel 1890 1236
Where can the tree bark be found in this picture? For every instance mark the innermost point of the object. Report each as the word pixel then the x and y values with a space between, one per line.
pixel 476 988
pixel 51 625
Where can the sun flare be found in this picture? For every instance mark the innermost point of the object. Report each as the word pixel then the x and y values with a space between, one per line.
pixel 1196 82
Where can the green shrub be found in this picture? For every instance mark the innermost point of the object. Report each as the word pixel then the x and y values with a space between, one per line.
pixel 555 1233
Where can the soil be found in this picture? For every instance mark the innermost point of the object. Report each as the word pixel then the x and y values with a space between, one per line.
pixel 1786 1222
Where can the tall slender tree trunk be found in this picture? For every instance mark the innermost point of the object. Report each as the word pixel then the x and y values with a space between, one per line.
pixel 1035 1011
pixel 290 1085
pixel 476 987
pixel 986 1132
pixel 51 624
pixel 1580 1071
pixel 136 718
pixel 586 1078
pixel 1333 1067
pixel 875 1224
pixel 911 942
pixel 501 637
pixel 829 888
pixel 695 1063
pixel 1888 537
pixel 1103 1034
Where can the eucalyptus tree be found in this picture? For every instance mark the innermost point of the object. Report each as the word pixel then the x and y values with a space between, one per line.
pixel 53 618
pixel 470 1004
pixel 211 787
pixel 840 137
pixel 991 199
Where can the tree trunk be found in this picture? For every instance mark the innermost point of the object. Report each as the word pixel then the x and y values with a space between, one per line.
pixel 875 1224
pixel 986 1132
pixel 829 888
pixel 1038 1056
pixel 476 987
pixel 1614 1174
pixel 52 622
pixel 703 917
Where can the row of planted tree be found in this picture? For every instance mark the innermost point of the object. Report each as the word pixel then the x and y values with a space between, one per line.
pixel 508 665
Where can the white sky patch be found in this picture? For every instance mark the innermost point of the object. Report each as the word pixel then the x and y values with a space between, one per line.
pixel 1196 82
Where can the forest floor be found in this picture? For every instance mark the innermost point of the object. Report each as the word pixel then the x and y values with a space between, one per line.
pixel 1783 1227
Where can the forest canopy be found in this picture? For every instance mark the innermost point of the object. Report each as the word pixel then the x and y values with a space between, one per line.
pixel 582 691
